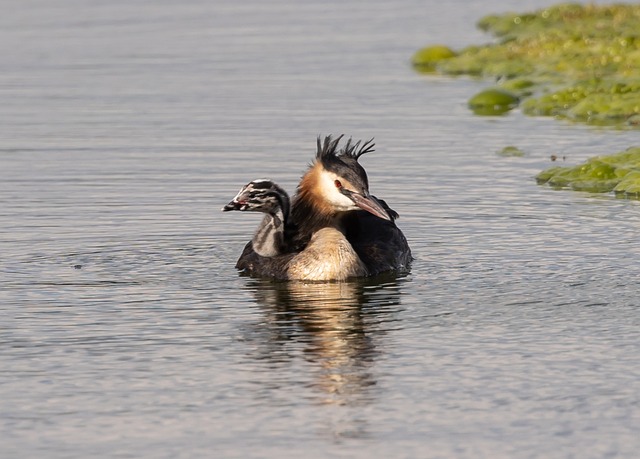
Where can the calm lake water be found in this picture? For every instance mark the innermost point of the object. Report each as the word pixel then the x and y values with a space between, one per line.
pixel 125 330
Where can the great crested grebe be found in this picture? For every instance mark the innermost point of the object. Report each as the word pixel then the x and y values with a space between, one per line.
pixel 334 230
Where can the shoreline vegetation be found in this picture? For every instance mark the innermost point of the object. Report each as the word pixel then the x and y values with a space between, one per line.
pixel 572 62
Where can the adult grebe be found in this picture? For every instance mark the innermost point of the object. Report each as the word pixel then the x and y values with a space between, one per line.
pixel 335 229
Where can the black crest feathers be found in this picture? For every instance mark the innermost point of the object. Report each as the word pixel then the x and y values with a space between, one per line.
pixel 355 150
pixel 328 147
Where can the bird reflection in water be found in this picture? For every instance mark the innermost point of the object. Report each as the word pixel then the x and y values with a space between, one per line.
pixel 335 325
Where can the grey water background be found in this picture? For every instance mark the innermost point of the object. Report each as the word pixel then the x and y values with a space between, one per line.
pixel 125 330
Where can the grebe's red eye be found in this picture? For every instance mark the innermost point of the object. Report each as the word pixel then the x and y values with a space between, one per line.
pixel 337 184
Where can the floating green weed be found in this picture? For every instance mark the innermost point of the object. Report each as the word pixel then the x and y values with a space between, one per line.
pixel 619 173
pixel 426 59
pixel 512 151
pixel 578 62
pixel 493 101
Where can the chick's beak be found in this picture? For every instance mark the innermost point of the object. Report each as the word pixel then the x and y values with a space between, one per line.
pixel 239 202
pixel 233 205
pixel 367 202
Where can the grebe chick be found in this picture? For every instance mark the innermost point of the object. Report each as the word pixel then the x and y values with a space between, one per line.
pixel 269 198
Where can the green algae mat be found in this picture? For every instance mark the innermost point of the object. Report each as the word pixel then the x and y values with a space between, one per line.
pixel 575 62
pixel 579 62
pixel 619 173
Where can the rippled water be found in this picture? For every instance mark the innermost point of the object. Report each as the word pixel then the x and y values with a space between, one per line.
pixel 126 332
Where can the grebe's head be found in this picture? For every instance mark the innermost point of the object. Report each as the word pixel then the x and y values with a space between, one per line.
pixel 260 195
pixel 341 181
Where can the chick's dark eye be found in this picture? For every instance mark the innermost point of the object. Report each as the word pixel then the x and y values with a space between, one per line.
pixel 337 184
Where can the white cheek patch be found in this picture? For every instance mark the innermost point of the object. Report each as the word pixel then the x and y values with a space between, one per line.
pixel 332 194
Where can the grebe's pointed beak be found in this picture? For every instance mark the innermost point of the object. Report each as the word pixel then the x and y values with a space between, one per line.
pixel 367 202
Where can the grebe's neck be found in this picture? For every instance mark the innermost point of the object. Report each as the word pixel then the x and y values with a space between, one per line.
pixel 310 211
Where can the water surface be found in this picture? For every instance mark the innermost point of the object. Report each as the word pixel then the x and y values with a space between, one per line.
pixel 126 331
